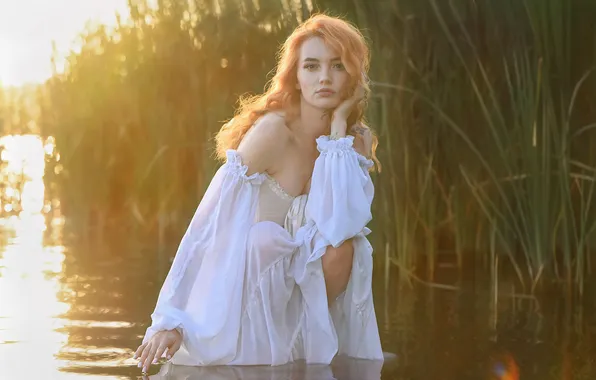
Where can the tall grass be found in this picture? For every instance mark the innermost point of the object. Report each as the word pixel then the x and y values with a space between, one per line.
pixel 538 185
pixel 134 113
pixel 482 108
pixel 498 100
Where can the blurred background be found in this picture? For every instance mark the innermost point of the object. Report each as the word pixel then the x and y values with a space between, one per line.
pixel 485 212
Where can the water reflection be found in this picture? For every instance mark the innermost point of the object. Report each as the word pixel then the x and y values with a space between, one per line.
pixel 34 333
pixel 342 368
pixel 28 284
pixel 29 306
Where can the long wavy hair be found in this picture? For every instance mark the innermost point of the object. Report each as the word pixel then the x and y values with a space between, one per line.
pixel 281 92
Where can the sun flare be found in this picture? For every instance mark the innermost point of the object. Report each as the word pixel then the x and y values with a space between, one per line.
pixel 6 54
pixel 29 28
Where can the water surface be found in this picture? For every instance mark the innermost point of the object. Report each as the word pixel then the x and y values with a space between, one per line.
pixel 76 312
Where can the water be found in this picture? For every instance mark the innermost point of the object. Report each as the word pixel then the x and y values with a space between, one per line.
pixel 67 318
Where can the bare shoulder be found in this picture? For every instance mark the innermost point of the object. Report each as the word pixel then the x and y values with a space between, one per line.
pixel 263 142
pixel 362 139
pixel 268 128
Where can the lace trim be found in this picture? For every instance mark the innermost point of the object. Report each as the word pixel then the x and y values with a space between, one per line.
pixel 277 189
pixel 234 162
pixel 365 162
pixel 325 143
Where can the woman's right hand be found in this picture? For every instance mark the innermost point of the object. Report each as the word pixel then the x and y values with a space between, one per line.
pixel 151 351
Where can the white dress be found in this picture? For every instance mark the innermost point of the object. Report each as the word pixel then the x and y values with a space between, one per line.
pixel 247 290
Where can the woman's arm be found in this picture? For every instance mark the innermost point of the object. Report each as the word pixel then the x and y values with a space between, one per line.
pixel 337 262
pixel 337 212
pixel 207 322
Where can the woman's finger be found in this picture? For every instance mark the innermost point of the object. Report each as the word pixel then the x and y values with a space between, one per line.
pixel 139 350
pixel 160 350
pixel 147 362
pixel 145 354
pixel 359 93
pixel 174 348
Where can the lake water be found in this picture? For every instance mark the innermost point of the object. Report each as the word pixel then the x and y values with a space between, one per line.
pixel 67 312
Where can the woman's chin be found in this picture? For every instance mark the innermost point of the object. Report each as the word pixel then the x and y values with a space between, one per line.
pixel 325 104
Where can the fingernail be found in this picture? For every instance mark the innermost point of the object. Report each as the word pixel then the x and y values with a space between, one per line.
pixel 169 357
pixel 144 369
pixel 139 365
pixel 154 361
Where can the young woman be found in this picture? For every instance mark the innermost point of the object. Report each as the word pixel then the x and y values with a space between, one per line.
pixel 275 266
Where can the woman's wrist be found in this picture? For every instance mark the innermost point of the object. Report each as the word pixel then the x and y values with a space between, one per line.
pixel 178 330
pixel 338 129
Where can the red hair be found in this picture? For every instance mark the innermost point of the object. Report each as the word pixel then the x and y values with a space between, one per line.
pixel 281 93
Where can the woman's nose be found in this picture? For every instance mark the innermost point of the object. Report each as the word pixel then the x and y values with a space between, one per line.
pixel 325 78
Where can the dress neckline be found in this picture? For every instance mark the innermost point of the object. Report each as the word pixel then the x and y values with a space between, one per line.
pixel 234 159
pixel 277 188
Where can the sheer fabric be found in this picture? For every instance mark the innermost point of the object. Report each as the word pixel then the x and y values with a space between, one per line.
pixel 274 202
pixel 245 291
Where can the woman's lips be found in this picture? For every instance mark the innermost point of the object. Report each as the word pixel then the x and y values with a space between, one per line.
pixel 325 92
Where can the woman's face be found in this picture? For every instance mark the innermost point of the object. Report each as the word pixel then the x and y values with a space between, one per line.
pixel 322 78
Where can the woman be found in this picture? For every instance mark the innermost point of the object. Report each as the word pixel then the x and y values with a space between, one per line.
pixel 275 266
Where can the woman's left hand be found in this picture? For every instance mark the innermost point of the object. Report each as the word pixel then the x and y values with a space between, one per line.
pixel 343 111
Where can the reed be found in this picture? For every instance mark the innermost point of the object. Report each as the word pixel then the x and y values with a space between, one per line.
pixel 495 93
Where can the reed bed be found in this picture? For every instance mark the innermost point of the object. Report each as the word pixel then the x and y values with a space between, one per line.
pixel 484 110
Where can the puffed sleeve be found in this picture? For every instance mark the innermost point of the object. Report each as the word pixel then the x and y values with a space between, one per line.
pixel 202 293
pixel 342 192
pixel 338 208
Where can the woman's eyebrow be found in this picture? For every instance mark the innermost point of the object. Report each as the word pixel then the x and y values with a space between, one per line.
pixel 317 60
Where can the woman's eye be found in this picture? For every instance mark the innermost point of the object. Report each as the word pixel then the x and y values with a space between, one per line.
pixel 310 66
pixel 339 66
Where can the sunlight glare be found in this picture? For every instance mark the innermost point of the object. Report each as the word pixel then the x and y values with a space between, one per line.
pixel 32 327
pixel 28 28
pixel 6 54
